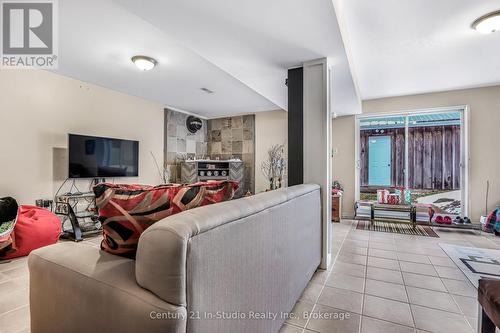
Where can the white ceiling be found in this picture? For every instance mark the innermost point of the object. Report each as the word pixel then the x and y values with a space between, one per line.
pixel 418 46
pixel 98 38
pixel 257 41
pixel 240 49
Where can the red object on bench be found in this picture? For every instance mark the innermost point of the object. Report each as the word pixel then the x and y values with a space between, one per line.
pixel 36 227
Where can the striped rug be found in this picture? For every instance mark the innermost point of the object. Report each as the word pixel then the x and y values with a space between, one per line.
pixel 397 228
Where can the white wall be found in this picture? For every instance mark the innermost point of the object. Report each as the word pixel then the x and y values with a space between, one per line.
pixel 271 128
pixel 37 111
pixel 344 161
pixel 484 105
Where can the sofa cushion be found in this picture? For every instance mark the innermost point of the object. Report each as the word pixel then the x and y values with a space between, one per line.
pixel 125 211
pixel 75 287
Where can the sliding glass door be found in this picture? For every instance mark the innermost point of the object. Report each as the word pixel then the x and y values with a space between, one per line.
pixel 421 150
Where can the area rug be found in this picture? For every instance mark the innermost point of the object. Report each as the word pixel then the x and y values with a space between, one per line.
pixel 397 228
pixel 474 262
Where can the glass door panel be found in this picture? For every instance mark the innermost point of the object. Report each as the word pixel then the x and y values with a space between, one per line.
pixel 434 160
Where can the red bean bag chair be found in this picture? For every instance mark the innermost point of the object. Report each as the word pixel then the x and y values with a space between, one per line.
pixel 36 227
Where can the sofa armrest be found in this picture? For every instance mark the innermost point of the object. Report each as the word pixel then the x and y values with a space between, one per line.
pixel 75 287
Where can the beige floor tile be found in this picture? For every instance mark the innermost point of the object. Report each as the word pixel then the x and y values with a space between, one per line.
pixel 382 274
pixel 10 264
pixel 468 305
pixel 344 281
pixel 355 243
pixel 438 321
pixel 8 286
pixel 286 328
pixel 388 240
pixel 382 246
pixel 363 251
pixel 16 272
pixel 341 299
pixel 432 299
pixel 423 281
pixel 300 311
pixel 436 253
pixel 22 281
pixel 382 254
pixel 320 276
pixel 450 273
pixel 311 293
pixel 372 325
pixel 374 235
pixel 462 288
pixel 413 267
pixel 383 263
pixel 388 310
pixel 349 269
pixel 352 258
pixel 15 321
pixel 473 323
pixel 442 261
pixel 412 249
pixel 334 321
pixel 363 236
pixel 13 300
pixel 392 291
pixel 411 257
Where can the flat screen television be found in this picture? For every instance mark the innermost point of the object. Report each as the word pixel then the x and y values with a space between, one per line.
pixel 96 157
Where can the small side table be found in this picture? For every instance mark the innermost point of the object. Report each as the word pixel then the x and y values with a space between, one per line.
pixel 336 208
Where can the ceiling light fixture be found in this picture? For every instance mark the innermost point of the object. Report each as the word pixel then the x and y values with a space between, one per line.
pixel 144 63
pixel 488 23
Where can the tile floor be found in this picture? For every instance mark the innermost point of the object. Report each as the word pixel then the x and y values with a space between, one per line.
pixel 14 292
pixel 390 283
pixel 379 282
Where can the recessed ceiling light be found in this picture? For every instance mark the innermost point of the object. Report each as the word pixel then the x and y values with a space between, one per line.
pixel 144 63
pixel 488 23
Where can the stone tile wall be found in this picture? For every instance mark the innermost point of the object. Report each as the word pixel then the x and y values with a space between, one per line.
pixel 234 137
pixel 223 138
pixel 180 143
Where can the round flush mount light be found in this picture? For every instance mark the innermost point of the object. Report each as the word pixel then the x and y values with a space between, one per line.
pixel 144 63
pixel 488 23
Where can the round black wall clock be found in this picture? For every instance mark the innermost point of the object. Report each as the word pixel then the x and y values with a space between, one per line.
pixel 193 124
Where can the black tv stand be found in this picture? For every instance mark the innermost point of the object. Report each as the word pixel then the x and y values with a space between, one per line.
pixel 80 210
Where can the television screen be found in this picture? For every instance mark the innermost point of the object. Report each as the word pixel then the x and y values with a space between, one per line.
pixel 95 157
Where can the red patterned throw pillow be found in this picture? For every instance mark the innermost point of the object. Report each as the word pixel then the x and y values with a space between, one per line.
pixel 125 211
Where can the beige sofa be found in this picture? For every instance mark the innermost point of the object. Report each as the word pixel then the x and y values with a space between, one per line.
pixel 214 269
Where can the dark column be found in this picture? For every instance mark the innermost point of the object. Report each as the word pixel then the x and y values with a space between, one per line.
pixel 295 127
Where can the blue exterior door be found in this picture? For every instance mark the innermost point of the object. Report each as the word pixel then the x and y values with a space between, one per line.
pixel 379 160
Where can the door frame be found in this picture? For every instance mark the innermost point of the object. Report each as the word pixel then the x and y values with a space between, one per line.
pixel 464 151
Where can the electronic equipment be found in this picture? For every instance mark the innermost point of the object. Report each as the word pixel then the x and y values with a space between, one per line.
pixel 98 157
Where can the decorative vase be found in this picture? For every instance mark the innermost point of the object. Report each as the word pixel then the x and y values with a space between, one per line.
pixel 271 184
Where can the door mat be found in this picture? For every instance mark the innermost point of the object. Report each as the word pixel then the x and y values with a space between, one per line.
pixel 397 228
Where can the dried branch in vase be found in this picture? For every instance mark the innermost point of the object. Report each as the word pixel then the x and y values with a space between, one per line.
pixel 274 167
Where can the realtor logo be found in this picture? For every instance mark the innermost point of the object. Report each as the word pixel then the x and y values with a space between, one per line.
pixel 28 34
